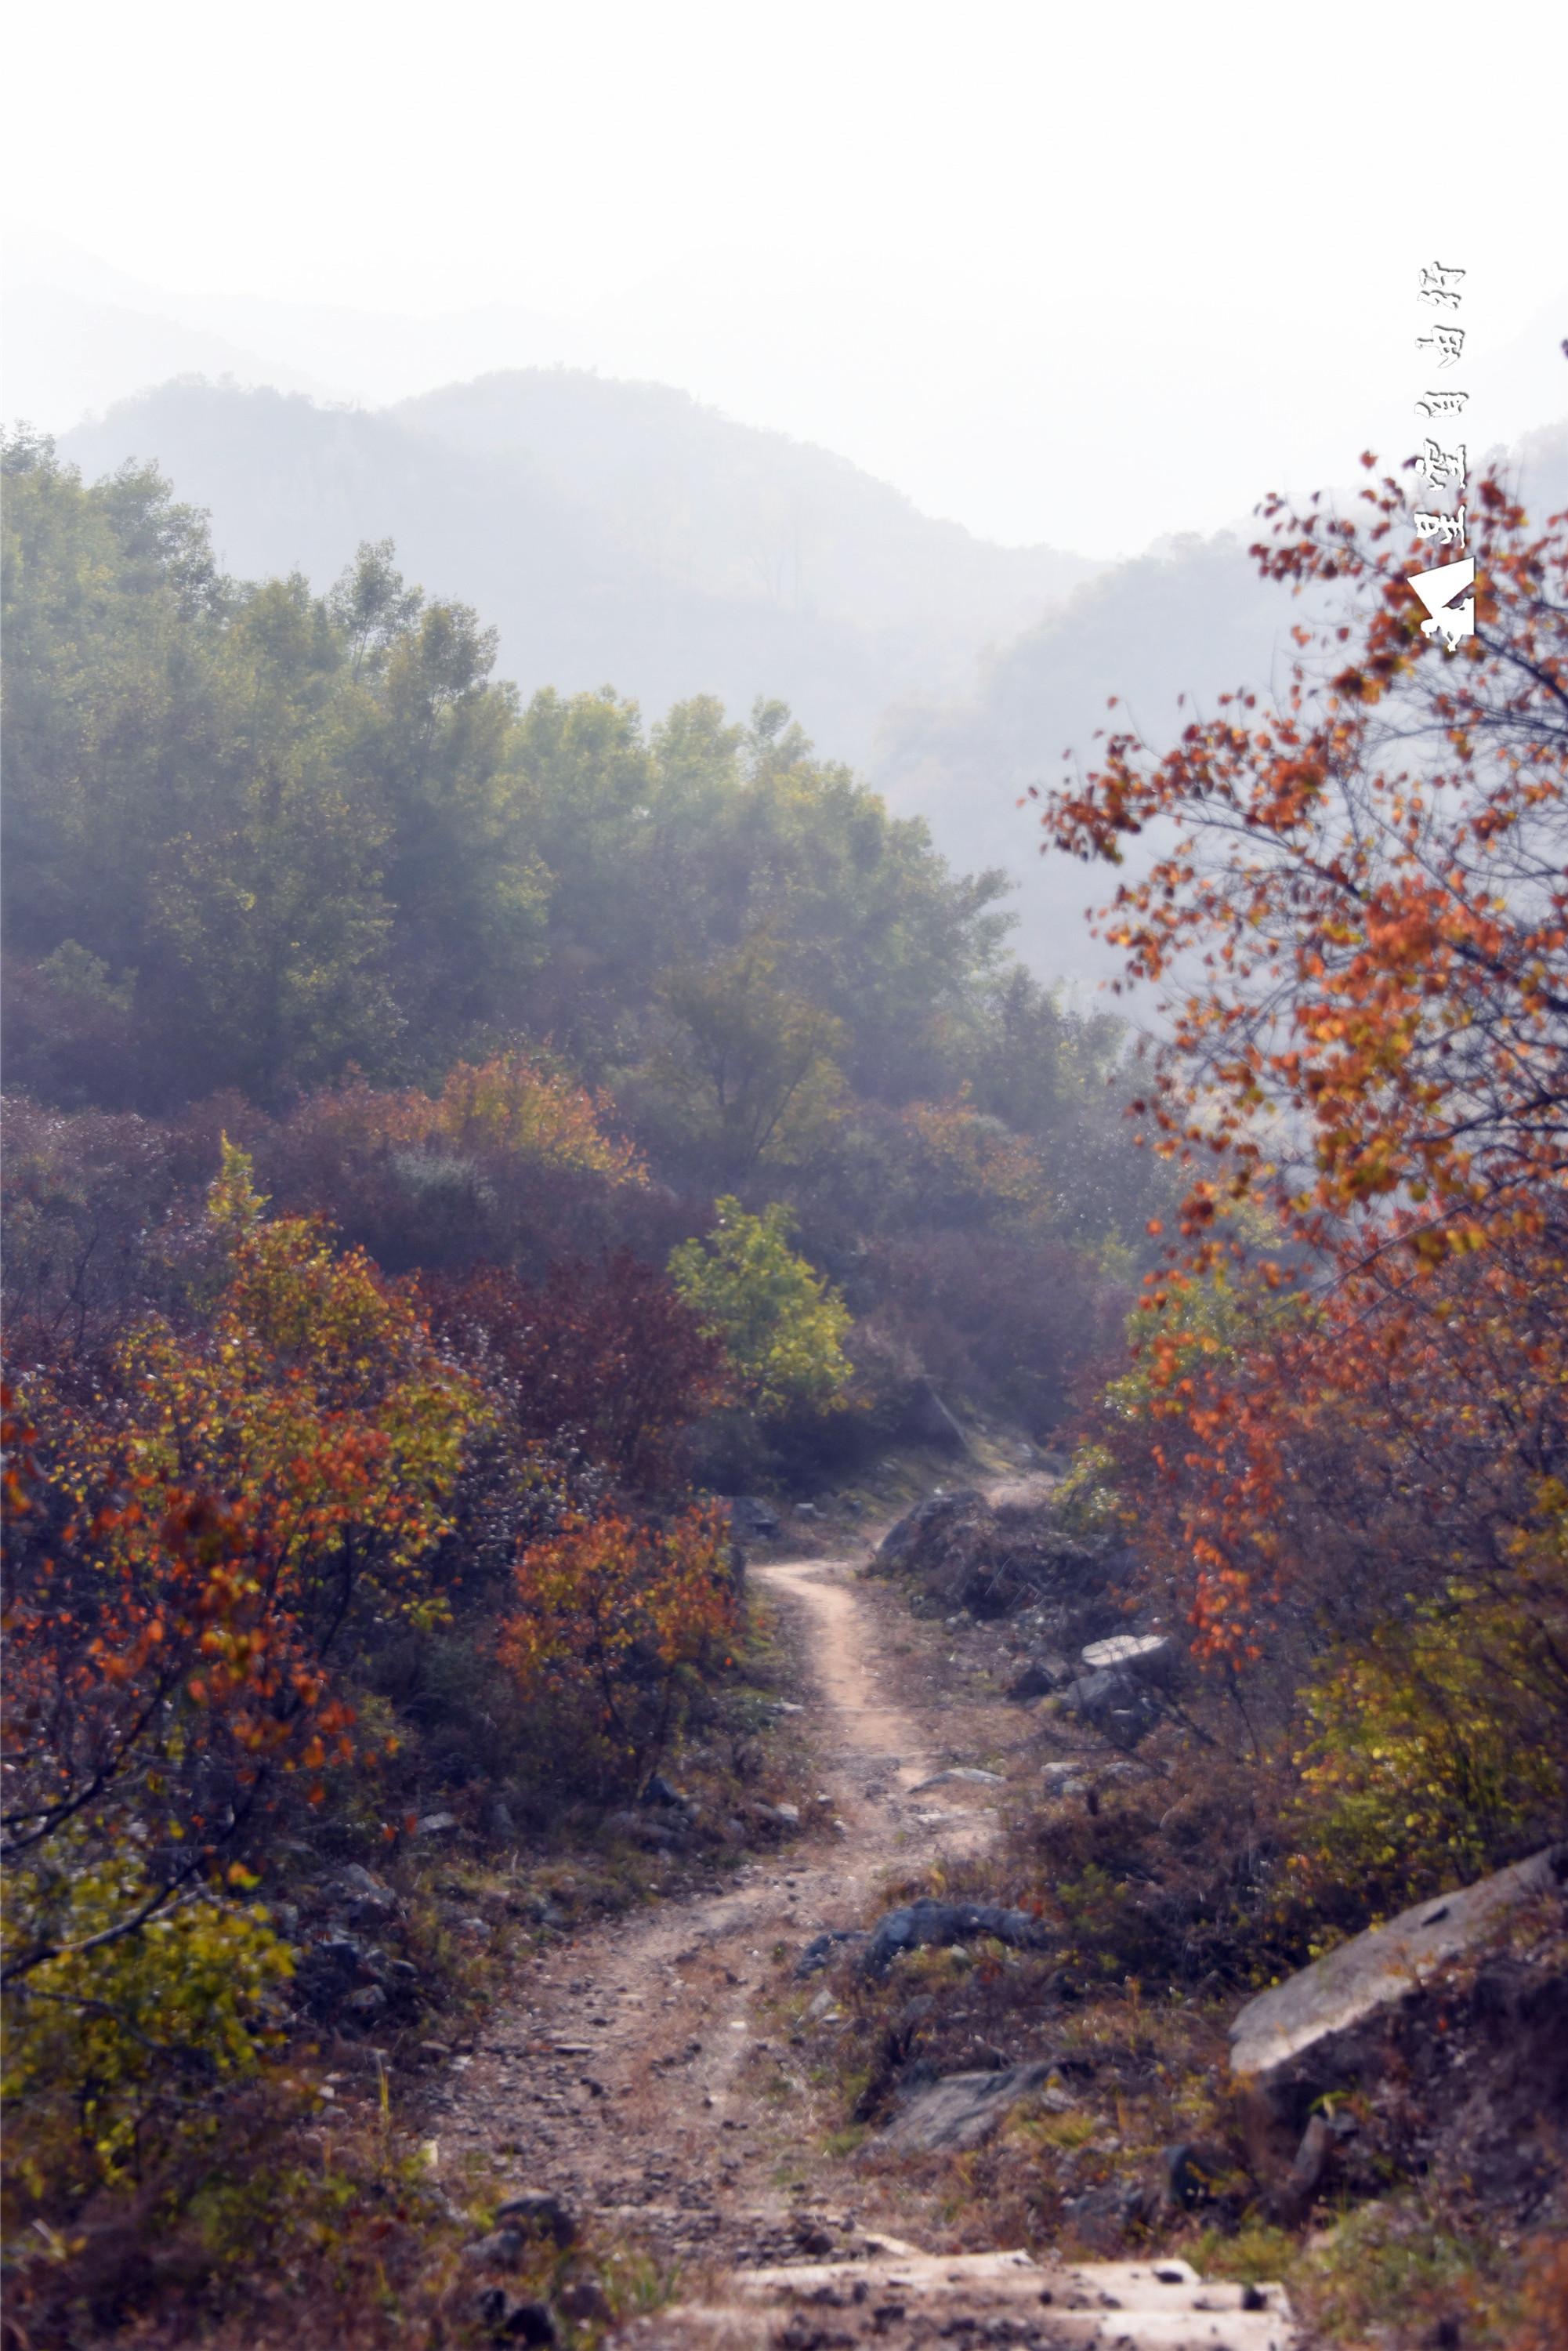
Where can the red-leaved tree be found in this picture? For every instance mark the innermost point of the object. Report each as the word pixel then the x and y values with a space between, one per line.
pixel 1353 1381
pixel 605 1360
pixel 614 1617
pixel 193 1535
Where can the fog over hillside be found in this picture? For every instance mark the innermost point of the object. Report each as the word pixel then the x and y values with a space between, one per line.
pixel 1166 634
pixel 708 504
pixel 1021 424
pixel 624 535
pixel 695 556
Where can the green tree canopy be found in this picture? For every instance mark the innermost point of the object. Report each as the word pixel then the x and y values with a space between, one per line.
pixel 781 1323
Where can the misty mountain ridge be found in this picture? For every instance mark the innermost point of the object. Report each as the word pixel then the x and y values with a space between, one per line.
pixel 733 510
pixel 611 532
pixel 624 534
pixel 1165 634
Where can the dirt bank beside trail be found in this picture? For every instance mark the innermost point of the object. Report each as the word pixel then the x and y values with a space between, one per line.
pixel 641 2071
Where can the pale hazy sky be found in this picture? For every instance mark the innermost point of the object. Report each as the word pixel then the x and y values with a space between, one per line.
pixel 1083 274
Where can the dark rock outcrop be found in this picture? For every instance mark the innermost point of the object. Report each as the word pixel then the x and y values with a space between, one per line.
pixel 540 2213
pixel 917 1924
pixel 1039 1678
pixel 824 1949
pixel 753 1520
pixel 960 1552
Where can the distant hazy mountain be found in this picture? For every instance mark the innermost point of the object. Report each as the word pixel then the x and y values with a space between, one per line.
pixel 1191 617
pixel 703 503
pixel 81 334
pixel 612 533
pixel 62 350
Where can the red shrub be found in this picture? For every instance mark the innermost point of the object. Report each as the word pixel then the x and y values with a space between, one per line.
pixel 608 1359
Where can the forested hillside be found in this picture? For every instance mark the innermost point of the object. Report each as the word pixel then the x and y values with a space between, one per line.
pixel 607 531
pixel 624 532
pixel 269 844
pixel 478 1157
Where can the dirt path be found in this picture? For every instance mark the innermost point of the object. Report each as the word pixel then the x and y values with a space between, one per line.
pixel 639 2075
pixel 627 2073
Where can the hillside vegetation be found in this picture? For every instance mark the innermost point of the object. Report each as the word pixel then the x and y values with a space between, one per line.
pixel 606 531
pixel 472 1152
pixel 450 1134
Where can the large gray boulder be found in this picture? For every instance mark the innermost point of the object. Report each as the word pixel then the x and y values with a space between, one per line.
pixel 934 1522
pixel 1314 2029
pixel 1147 1656
pixel 961 1552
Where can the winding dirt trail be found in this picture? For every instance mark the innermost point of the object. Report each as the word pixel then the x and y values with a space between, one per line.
pixel 862 1729
pixel 623 2074
pixel 640 2074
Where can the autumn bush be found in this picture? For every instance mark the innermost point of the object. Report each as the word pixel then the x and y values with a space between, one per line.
pixel 1433 1751
pixel 782 1326
pixel 606 1361
pixel 289 1543
pixel 510 1163
pixel 120 2050
pixel 202 1537
pixel 614 1619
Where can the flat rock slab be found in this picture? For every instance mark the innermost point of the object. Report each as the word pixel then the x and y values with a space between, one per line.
pixel 1300 2020
pixel 1154 1655
pixel 1027 1493
pixel 918 2299
pixel 960 1771
pixel 960 2110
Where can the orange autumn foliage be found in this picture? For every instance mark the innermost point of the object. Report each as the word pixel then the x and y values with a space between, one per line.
pixel 514 1103
pixel 195 1532
pixel 1358 917
pixel 611 1616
